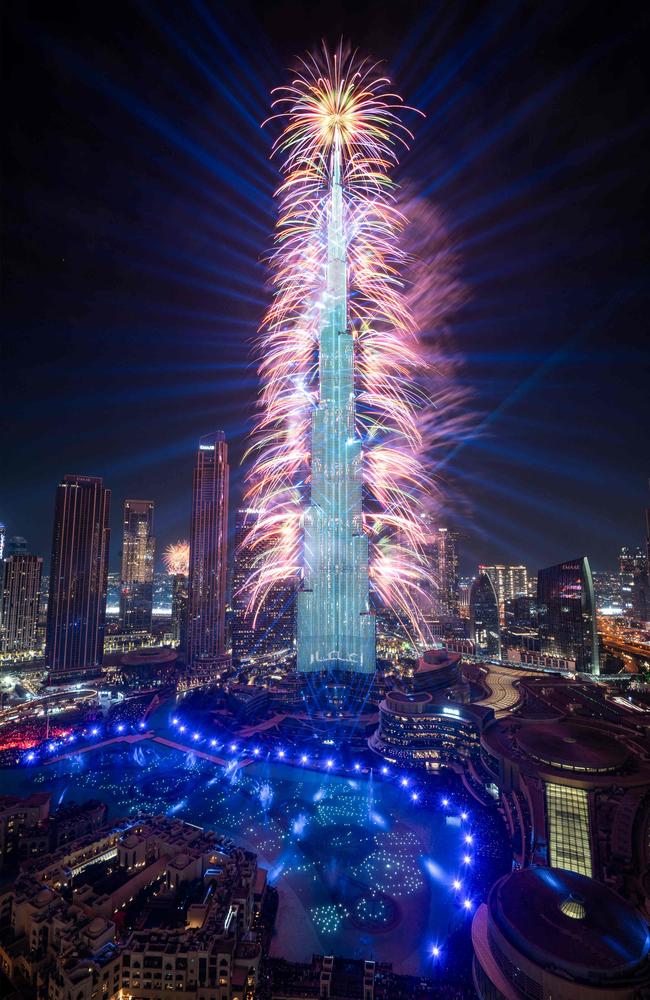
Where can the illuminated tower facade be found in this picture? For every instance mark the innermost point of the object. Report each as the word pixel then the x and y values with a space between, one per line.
pixel 206 639
pixel 484 615
pixel 138 553
pixel 20 602
pixel 336 629
pixel 76 610
pixel 179 611
pixel 567 613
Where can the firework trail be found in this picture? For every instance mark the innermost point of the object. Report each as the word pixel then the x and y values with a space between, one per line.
pixel 344 99
pixel 176 558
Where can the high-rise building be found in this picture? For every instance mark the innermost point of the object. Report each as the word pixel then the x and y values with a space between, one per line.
pixel 3 535
pixel 138 557
pixel 336 628
pixel 508 582
pixel 484 616
pixel 442 552
pixel 76 612
pixel 631 561
pixel 20 603
pixel 270 627
pixel 179 611
pixel 208 551
pixel 521 612
pixel 567 613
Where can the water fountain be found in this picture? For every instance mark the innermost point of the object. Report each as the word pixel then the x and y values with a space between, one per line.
pixel 265 795
pixel 299 825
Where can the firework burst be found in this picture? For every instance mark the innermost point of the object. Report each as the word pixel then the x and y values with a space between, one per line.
pixel 176 558
pixel 343 100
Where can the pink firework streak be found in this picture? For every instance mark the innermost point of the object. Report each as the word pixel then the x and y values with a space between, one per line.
pixel 402 398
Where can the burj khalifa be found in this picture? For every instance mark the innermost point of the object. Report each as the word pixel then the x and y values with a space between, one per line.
pixel 336 628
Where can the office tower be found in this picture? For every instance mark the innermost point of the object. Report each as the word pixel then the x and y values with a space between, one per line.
pixel 336 628
pixel 630 561
pixel 508 582
pixel 179 611
pixel 444 554
pixel 20 603
pixel 521 612
pixel 270 629
pixel 3 535
pixel 567 613
pixel 76 613
pixel 484 616
pixel 208 551
pixel 138 556
pixel 244 633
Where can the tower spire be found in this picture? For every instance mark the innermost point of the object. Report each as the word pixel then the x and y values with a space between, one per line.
pixel 335 627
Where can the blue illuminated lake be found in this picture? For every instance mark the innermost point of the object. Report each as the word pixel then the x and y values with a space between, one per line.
pixel 360 868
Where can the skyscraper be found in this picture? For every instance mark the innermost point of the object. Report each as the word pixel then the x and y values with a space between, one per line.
pixel 567 613
pixel 272 628
pixel 138 556
pixel 208 551
pixel 179 611
pixel 336 628
pixel 20 603
pixel 484 616
pixel 442 550
pixel 508 582
pixel 76 613
pixel 3 535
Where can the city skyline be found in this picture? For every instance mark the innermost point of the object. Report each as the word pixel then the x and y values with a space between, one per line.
pixel 524 250
pixel 326 399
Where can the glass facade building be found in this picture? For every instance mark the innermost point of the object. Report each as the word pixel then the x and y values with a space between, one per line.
pixel 336 628
pixel 76 610
pixel 179 611
pixel 20 603
pixel 508 582
pixel 208 551
pixel 138 555
pixel 442 552
pixel 484 616
pixel 567 614
pixel 567 817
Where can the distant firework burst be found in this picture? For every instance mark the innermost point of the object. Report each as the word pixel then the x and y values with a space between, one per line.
pixel 396 414
pixel 176 558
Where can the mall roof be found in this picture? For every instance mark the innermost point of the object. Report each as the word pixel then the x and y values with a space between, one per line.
pixel 571 922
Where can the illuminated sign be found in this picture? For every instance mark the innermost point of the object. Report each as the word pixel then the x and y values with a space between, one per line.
pixel 206 447
pixel 451 711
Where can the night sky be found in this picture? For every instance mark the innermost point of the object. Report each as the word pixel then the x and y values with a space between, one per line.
pixel 138 208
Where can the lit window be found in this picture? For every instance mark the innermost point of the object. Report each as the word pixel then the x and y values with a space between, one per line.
pixel 568 828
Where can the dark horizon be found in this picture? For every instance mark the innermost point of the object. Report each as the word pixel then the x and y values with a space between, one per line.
pixel 138 210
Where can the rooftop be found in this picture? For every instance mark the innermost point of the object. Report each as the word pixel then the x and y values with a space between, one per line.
pixel 558 918
pixel 569 744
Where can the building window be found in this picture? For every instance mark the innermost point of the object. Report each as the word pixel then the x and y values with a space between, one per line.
pixel 567 811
